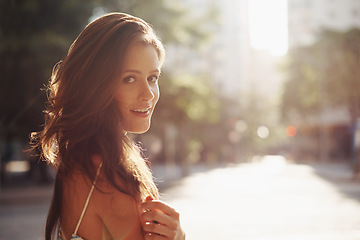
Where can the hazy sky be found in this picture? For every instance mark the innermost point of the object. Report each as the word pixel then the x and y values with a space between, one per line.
pixel 268 25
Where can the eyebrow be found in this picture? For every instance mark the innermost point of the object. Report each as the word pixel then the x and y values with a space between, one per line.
pixel 139 72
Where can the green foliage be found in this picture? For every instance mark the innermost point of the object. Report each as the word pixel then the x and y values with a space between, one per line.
pixel 325 73
pixel 34 35
pixel 172 20
pixel 196 97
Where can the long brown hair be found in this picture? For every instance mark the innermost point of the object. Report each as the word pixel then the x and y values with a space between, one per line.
pixel 82 117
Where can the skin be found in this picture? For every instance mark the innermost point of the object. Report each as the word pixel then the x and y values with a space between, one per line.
pixel 162 221
pixel 111 212
pixel 137 96
pixel 138 90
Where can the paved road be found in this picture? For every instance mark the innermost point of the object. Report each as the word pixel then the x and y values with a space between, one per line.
pixel 23 211
pixel 269 200
pixel 23 222
pixel 266 200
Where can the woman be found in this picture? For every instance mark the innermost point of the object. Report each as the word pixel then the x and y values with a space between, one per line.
pixel 106 87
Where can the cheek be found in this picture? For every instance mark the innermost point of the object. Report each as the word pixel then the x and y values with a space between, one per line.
pixel 122 98
pixel 156 95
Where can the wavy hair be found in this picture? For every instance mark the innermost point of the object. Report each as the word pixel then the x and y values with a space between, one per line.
pixel 82 116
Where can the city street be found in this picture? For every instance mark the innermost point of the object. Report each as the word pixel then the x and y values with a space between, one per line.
pixel 268 199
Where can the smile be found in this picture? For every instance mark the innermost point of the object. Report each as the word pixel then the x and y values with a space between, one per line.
pixel 141 112
pixel 145 110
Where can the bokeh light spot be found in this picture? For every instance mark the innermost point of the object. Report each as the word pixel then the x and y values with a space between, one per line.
pixel 291 131
pixel 263 132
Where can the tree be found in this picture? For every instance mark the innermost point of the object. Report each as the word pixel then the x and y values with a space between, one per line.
pixel 34 35
pixel 325 73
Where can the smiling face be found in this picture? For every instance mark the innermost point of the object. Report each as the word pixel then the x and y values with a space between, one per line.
pixel 138 90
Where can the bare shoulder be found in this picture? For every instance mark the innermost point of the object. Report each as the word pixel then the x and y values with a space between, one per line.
pixel 110 201
pixel 118 211
pixel 76 189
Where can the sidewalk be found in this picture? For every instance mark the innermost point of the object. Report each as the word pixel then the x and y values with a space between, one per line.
pixel 339 171
pixel 27 194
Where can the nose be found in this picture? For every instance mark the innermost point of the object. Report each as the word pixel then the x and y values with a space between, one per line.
pixel 146 92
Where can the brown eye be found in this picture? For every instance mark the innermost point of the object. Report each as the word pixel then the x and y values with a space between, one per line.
pixel 129 80
pixel 153 79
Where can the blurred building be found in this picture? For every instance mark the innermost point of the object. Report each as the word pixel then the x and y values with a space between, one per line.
pixel 230 62
pixel 308 17
pixel 222 59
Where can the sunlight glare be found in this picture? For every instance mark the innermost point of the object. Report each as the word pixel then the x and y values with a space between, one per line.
pixel 268 26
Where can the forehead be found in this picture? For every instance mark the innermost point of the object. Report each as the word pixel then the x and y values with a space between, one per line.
pixel 141 56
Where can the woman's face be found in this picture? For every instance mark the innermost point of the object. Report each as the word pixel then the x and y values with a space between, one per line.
pixel 138 90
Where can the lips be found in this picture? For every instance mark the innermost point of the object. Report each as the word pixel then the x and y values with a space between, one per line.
pixel 141 112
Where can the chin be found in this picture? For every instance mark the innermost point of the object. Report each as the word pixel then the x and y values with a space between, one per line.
pixel 139 130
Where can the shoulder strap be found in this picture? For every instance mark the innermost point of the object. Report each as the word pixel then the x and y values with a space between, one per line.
pixel 87 200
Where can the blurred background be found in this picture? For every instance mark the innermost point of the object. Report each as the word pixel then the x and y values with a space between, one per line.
pixel 257 131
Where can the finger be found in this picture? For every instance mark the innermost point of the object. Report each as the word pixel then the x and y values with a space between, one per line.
pixel 152 236
pixel 155 216
pixel 159 229
pixel 160 205
pixel 150 198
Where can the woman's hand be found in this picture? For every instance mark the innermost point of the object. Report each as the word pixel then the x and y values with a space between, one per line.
pixel 161 221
